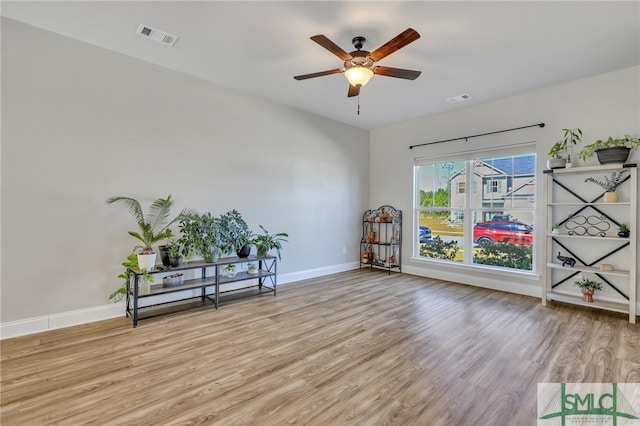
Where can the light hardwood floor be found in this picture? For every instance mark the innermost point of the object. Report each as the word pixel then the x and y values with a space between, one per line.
pixel 360 347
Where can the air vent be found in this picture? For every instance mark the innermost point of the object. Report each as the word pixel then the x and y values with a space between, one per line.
pixel 157 35
pixel 459 98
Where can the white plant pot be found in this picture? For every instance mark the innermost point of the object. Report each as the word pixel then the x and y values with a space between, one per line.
pixel 147 261
pixel 556 163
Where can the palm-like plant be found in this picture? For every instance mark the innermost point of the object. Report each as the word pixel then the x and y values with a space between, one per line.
pixel 155 226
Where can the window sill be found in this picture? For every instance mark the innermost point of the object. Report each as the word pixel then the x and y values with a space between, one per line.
pixel 462 267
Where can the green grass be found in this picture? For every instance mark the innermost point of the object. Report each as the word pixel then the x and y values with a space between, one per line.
pixel 440 226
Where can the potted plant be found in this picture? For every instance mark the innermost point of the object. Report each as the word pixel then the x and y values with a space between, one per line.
pixel 610 185
pixel 623 231
pixel 203 234
pixel 560 151
pixel 245 242
pixel 611 150
pixel 555 229
pixel 252 268
pixel 265 242
pixel 153 228
pixel 229 271
pixel 589 287
pixel 174 253
pixel 131 264
pixel 237 236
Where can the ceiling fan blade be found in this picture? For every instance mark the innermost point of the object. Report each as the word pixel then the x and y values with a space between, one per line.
pixel 401 40
pixel 331 47
pixel 396 72
pixel 318 74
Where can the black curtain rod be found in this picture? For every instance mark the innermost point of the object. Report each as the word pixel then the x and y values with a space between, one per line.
pixel 475 136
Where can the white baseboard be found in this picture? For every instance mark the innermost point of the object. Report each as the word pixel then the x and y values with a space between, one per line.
pixel 319 272
pixel 60 320
pixel 114 310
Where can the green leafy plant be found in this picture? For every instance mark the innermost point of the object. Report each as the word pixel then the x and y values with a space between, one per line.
pixel 173 247
pixel 609 185
pixel 203 234
pixel 588 284
pixel 155 226
pixel 234 230
pixel 590 150
pixel 624 228
pixel 130 265
pixel 266 241
pixel 506 255
pixel 439 249
pixel 570 137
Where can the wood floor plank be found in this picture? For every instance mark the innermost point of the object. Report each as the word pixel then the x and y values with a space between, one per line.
pixel 360 347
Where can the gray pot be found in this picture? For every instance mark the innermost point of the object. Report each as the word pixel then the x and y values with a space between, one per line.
pixel 614 154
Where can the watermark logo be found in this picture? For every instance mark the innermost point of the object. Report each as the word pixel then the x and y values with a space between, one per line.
pixel 616 404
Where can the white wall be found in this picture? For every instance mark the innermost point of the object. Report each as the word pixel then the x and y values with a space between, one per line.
pixel 81 124
pixel 602 106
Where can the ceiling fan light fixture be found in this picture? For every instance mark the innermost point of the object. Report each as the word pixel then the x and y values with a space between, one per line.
pixel 358 76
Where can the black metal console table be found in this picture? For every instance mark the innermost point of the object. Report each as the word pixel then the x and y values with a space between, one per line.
pixel 211 278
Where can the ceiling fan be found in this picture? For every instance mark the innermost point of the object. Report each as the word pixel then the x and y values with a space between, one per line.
pixel 360 65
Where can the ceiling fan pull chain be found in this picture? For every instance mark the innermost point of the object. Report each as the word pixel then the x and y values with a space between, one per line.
pixel 358 103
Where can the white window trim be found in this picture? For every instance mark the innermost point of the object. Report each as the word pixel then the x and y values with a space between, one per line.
pixel 516 149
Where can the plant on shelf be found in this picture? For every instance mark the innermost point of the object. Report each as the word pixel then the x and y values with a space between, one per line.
pixel 235 233
pixel 610 150
pixel 588 287
pixel 560 151
pixel 130 265
pixel 152 228
pixel 610 184
pixel 229 271
pixel 174 252
pixel 202 233
pixel 555 229
pixel 623 230
pixel 266 241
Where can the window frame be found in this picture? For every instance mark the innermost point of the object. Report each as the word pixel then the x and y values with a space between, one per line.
pixel 469 157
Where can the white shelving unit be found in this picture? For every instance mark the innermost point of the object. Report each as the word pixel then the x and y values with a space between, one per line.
pixel 589 234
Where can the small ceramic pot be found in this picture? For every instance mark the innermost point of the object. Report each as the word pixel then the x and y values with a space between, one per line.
pixel 587 295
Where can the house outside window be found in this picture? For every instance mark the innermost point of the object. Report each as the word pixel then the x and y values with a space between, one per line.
pixel 490 228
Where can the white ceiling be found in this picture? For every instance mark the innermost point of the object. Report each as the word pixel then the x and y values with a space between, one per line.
pixel 489 50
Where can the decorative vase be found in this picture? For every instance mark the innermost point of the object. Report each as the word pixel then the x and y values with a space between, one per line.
pixel 245 251
pixel 612 155
pixel 147 261
pixel 212 256
pixel 610 197
pixel 262 251
pixel 164 255
pixel 175 261
pixel 587 295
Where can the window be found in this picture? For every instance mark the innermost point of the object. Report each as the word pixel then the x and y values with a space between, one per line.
pixel 493 228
